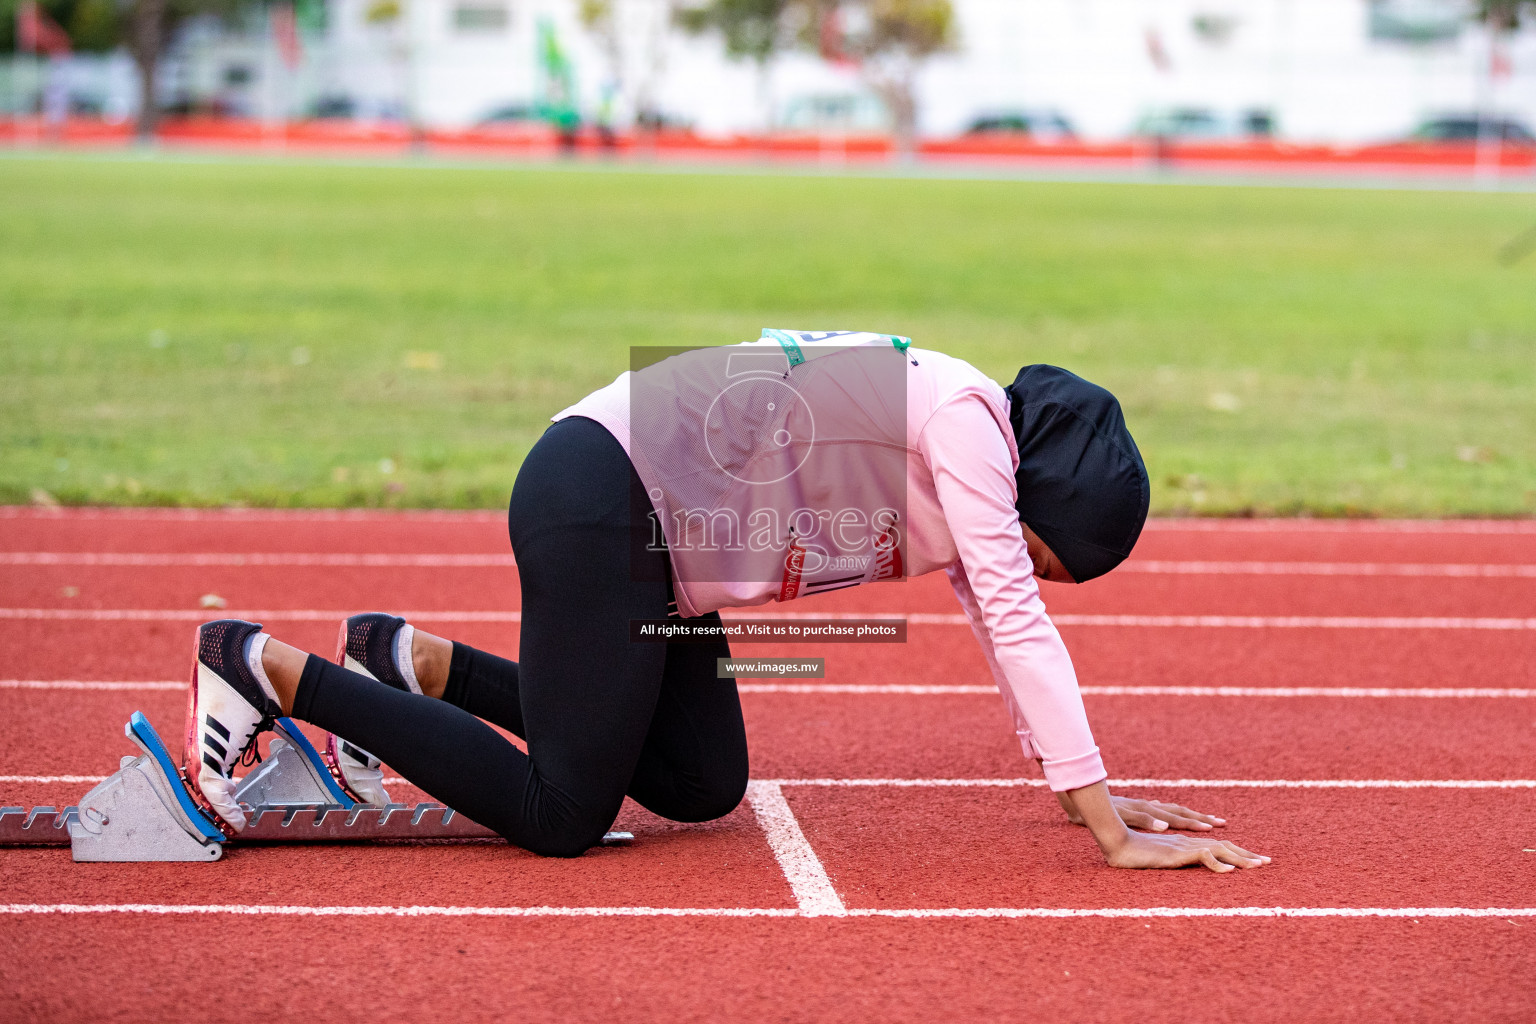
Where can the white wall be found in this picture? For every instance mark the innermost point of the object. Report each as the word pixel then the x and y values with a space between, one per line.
pixel 1310 61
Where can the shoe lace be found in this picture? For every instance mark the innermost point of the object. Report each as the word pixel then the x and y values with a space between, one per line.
pixel 252 755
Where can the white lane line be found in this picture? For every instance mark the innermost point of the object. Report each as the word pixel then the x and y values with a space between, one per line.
pixel 506 560
pixel 1178 783
pixel 807 878
pixel 1379 692
pixel 498 518
pixel 389 780
pixel 1067 913
pixel 1156 524
pixel 1383 692
pixel 1289 622
pixel 394 780
pixel 916 619
pixel 833 688
pixel 262 910
pixel 1152 691
pixel 1468 526
pixel 1112 912
pixel 1184 621
pixel 88 684
pixel 207 614
pixel 216 558
pixel 50 779
pixel 1172 568
pixel 777 813
pixel 276 515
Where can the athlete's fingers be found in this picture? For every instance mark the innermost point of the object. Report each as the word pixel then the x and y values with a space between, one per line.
pixel 1185 822
pixel 1231 853
pixel 1143 819
pixel 1208 857
pixel 1230 858
pixel 1184 812
pixel 1173 815
pixel 1245 853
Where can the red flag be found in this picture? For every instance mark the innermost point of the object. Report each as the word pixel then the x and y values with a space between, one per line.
pixel 1499 64
pixel 1156 51
pixel 285 32
pixel 38 33
pixel 830 38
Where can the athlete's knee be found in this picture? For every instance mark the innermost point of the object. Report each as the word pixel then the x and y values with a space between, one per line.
pixel 569 834
pixel 564 845
pixel 714 797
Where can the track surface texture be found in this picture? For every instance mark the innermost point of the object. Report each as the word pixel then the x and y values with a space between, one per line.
pixel 1357 699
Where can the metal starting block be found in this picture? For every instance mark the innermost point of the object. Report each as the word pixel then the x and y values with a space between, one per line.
pixel 143 812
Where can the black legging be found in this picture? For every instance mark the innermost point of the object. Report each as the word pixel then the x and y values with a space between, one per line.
pixel 602 716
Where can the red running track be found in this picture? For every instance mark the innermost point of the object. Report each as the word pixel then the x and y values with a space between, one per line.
pixel 942 880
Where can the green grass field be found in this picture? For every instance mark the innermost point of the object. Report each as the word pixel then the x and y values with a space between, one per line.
pixel 295 334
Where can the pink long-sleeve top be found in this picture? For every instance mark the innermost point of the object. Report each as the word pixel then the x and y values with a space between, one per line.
pixel 960 517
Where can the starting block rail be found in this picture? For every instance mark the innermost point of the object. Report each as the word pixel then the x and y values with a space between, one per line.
pixel 292 823
pixel 143 812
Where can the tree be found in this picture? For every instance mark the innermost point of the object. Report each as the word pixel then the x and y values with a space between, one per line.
pixel 643 39
pixel 91 24
pixel 751 29
pixel 77 17
pixel 143 27
pixel 599 18
pixel 889 40
pixel 1502 18
pixel 147 27
pixel 754 30
pixel 1503 15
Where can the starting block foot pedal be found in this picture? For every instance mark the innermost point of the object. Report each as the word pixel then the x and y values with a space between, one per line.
pixel 292 774
pixel 142 811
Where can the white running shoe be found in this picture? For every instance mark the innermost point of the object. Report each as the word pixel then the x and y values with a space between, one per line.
pixel 228 705
pixel 375 645
pixel 359 772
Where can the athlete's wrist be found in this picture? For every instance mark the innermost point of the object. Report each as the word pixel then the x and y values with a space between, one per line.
pixel 1067 806
pixel 1098 813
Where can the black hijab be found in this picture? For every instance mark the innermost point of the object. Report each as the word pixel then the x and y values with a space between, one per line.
pixel 1082 485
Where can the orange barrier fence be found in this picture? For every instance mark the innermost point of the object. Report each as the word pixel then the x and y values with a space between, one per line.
pixel 540 140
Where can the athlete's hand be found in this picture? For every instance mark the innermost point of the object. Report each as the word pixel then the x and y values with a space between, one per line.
pixel 1141 850
pixel 1148 814
pixel 1123 848
pixel 1158 817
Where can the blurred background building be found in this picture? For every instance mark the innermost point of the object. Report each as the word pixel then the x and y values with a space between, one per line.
pixel 1339 71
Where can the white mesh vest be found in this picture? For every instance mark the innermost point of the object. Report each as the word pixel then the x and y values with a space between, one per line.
pixel 776 468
